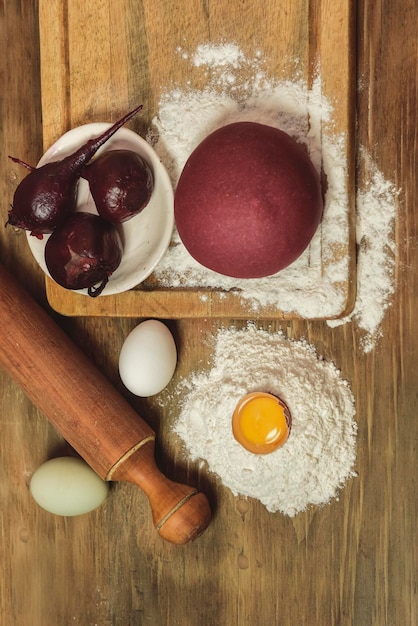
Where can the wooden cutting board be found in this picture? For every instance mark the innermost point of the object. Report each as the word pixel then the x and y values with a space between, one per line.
pixel 99 58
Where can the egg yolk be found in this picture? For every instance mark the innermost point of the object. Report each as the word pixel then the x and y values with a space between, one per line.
pixel 261 422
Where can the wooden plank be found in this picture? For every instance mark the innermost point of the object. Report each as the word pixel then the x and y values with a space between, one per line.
pixel 352 562
pixel 130 48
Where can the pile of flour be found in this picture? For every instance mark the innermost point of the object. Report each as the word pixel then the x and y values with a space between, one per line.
pixel 317 459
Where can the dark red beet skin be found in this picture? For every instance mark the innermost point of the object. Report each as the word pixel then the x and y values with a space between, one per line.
pixel 47 196
pixel 121 184
pixel 248 201
pixel 83 252
pixel 43 200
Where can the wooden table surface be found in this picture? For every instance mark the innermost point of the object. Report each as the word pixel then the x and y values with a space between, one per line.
pixel 352 562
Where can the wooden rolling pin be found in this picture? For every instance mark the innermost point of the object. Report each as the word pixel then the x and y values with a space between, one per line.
pixel 89 412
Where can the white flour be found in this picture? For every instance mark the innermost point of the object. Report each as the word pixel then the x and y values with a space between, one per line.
pixel 311 286
pixel 376 212
pixel 237 88
pixel 319 455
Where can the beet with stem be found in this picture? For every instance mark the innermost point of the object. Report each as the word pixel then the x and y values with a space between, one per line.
pixel 121 184
pixel 83 252
pixel 47 195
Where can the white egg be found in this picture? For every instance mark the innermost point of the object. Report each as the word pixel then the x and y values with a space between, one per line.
pixel 148 358
pixel 67 486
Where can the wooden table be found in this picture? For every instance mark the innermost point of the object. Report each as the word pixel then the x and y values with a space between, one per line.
pixel 350 563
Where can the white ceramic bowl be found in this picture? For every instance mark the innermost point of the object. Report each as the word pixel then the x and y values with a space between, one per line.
pixel 146 236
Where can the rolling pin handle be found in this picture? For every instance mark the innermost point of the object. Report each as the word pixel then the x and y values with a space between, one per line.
pixel 180 513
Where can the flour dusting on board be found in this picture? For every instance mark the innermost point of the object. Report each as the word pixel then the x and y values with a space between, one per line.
pixel 308 287
pixel 319 456
pixel 311 286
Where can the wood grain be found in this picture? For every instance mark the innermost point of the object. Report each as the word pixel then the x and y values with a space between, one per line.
pixel 351 563
pixel 127 61
pixel 92 416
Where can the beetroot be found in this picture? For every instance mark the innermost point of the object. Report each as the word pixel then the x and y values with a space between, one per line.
pixel 47 195
pixel 83 252
pixel 121 184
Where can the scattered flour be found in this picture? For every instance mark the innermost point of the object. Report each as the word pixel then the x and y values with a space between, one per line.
pixel 376 213
pixel 311 286
pixel 319 455
pixel 237 88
